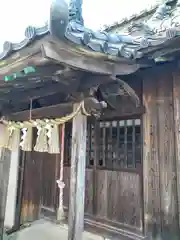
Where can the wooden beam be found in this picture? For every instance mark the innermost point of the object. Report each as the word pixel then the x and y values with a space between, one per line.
pixel 64 53
pixel 62 109
pixel 122 112
pixel 77 181
pixel 54 111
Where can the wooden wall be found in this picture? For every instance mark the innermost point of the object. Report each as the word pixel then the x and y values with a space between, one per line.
pixel 161 154
pixel 39 192
pixel 116 201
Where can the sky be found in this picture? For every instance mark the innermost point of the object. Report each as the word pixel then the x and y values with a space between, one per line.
pixel 16 15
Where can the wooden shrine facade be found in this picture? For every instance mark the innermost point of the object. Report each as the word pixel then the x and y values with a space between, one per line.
pixel 113 176
pixel 121 155
pixel 132 163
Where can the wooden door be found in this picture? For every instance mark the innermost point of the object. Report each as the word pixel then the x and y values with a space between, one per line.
pixel 113 193
pixel 38 192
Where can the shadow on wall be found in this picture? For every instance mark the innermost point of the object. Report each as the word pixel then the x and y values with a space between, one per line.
pixel 164 231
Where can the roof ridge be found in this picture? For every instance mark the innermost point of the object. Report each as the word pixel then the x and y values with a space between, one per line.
pixel 131 18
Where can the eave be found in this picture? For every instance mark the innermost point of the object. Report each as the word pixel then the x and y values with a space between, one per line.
pixel 68 36
pixel 49 49
pixel 29 55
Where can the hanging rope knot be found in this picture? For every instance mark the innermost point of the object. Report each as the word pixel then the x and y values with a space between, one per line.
pixel 61 184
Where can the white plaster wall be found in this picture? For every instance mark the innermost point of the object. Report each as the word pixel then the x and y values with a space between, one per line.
pixel 12 186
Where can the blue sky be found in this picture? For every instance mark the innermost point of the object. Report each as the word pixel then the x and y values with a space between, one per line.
pixel 16 15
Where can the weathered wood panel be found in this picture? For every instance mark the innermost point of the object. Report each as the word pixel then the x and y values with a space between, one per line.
pixel 124 198
pixel 176 104
pixel 77 177
pixel 5 160
pixel 89 192
pixel 167 158
pixel 151 166
pixel 161 154
pixel 50 173
pixel 102 194
pixel 67 185
pixel 31 187
pixel 118 198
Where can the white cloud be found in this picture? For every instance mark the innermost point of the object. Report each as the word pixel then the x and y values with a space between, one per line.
pixel 16 15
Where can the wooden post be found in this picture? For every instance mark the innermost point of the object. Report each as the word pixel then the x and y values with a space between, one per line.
pixel 151 165
pixel 77 181
pixel 4 179
pixel 61 185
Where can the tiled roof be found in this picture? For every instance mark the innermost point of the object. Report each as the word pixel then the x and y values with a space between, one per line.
pixel 132 18
pixel 68 25
pixel 31 33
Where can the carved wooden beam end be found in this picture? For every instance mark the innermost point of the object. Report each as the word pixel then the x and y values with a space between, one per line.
pixel 94 107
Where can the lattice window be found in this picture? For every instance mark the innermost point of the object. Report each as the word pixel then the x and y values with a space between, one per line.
pixel 68 143
pixel 120 144
pixel 90 149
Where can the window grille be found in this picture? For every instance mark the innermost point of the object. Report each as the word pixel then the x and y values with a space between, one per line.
pixel 116 143
pixel 120 144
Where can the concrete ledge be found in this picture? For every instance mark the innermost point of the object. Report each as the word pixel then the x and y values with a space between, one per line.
pixel 45 230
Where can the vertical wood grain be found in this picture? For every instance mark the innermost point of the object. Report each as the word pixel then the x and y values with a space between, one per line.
pixel 77 181
pixel 176 105
pixel 167 158
pixel 151 167
pixel 5 160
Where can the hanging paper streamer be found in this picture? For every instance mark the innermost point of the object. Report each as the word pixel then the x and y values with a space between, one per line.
pixel 13 136
pixel 27 136
pixel 53 138
pixel 4 138
pixel 47 137
pixel 14 139
pixel 42 139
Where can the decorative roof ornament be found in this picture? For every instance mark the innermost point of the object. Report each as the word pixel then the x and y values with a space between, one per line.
pixel 75 11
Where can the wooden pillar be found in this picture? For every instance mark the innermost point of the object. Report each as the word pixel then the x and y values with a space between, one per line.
pixel 77 177
pixel 151 165
pixel 160 167
pixel 176 98
pixel 5 160
pixel 167 158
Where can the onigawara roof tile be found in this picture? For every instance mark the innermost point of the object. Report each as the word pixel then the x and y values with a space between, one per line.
pixel 66 24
